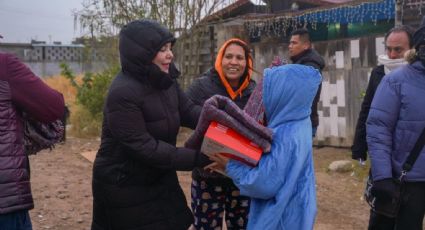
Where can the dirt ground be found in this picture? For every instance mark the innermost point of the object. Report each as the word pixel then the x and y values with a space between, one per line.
pixel 61 185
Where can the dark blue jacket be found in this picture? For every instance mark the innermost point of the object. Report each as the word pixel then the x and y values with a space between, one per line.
pixel 395 121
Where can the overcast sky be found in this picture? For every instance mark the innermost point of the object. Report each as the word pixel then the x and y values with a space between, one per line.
pixel 46 20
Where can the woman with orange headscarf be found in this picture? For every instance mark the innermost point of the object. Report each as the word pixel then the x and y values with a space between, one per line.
pixel 212 193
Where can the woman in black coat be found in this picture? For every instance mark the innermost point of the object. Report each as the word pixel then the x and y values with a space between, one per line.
pixel 135 185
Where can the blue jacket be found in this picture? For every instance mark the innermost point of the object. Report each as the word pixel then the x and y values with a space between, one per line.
pixel 395 121
pixel 282 185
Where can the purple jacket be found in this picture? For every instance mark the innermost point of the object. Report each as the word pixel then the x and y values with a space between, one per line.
pixel 20 91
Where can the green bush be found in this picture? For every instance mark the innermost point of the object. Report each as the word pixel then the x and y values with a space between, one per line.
pixel 90 98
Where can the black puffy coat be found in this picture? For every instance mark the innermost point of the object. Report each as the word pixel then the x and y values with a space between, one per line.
pixel 209 84
pixel 359 147
pixel 311 58
pixel 135 185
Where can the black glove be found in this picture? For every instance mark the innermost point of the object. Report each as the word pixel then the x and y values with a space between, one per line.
pixel 363 159
pixel 384 190
pixel 202 160
pixel 358 156
pixel 358 152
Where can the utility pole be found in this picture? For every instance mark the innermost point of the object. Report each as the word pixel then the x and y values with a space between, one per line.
pixel 398 20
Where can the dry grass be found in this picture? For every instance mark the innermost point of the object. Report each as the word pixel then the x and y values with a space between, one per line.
pixel 63 85
pixel 82 125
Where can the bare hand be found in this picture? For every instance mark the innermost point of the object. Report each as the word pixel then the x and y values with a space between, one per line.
pixel 219 164
pixel 220 159
pixel 214 167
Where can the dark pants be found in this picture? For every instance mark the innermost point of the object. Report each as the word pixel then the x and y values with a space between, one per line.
pixel 140 207
pixel 19 220
pixel 211 202
pixel 412 211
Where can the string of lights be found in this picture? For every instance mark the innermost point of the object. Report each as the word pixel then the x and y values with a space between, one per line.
pixel 356 12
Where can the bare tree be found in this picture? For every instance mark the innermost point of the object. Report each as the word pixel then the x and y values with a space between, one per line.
pixel 182 17
pixel 107 16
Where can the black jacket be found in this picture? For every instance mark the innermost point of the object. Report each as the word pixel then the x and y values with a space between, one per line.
pixel 209 84
pixel 311 58
pixel 204 87
pixel 359 147
pixel 135 185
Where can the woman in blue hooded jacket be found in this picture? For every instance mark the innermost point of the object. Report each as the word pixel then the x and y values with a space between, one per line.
pixel 282 185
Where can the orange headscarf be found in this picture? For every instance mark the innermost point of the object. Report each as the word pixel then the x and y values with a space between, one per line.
pixel 233 94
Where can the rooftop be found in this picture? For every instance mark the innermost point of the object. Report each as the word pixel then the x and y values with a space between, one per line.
pixel 39 45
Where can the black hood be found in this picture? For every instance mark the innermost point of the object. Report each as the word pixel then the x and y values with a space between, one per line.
pixel 139 43
pixel 419 36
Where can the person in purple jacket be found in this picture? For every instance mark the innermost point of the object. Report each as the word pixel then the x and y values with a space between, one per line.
pixel 20 91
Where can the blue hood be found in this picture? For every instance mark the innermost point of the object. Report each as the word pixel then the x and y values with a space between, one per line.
pixel 283 101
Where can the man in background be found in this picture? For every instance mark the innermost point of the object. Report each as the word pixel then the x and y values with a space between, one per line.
pixel 301 52
pixel 397 41
pixel 394 124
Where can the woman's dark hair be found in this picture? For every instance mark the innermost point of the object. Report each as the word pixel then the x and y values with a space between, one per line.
pixel 244 47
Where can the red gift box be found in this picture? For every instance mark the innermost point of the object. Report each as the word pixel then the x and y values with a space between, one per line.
pixel 226 141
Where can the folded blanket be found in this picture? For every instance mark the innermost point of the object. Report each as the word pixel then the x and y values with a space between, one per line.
pixel 226 112
pixel 254 107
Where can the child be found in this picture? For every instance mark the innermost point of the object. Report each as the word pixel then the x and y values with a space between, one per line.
pixel 282 185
